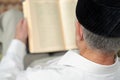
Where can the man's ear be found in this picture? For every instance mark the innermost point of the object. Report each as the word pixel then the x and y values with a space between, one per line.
pixel 79 31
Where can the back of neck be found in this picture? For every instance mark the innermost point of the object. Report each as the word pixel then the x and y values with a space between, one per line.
pixel 98 56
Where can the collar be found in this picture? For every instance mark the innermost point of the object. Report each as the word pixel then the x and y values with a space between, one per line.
pixel 74 59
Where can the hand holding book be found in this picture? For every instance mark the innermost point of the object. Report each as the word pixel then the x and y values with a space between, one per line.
pixel 21 31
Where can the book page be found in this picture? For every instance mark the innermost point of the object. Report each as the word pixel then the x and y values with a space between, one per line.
pixel 68 22
pixel 45 26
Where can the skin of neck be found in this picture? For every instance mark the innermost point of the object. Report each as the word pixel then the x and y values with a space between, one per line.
pixel 92 54
pixel 95 55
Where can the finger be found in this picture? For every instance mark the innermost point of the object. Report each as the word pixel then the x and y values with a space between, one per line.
pixel 25 25
pixel 25 22
pixel 19 25
pixel 20 22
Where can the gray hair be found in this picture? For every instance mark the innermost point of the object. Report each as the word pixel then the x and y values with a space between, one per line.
pixel 100 42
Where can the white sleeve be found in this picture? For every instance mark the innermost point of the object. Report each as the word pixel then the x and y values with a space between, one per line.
pixel 12 63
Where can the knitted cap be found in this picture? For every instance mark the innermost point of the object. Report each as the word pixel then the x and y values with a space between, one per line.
pixel 101 17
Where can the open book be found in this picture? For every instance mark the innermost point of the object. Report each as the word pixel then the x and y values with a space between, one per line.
pixel 51 25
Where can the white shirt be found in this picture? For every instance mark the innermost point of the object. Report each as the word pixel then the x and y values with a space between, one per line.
pixel 71 66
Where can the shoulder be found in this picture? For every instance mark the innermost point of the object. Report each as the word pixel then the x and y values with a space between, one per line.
pixel 53 72
pixel 119 65
pixel 51 69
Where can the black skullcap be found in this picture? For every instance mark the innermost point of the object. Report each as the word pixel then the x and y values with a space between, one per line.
pixel 101 17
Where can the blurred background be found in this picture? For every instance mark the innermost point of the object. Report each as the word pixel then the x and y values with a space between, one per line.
pixel 6 5
pixel 9 4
